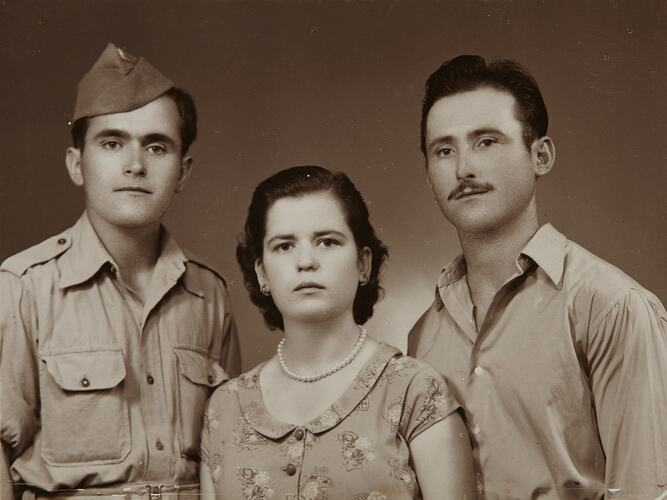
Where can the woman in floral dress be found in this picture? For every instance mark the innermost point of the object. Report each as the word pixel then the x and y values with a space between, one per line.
pixel 334 414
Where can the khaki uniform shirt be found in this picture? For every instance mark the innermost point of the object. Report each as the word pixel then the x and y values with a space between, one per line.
pixel 358 449
pixel 97 388
pixel 565 384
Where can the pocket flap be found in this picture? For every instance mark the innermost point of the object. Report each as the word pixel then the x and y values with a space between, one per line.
pixel 87 370
pixel 199 368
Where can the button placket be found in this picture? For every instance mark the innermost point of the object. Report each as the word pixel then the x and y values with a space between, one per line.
pixel 299 435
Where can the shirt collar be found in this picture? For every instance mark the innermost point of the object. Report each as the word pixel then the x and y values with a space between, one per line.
pixel 546 248
pixel 87 256
pixel 255 414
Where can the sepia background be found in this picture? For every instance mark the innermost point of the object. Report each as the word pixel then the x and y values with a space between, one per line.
pixel 339 84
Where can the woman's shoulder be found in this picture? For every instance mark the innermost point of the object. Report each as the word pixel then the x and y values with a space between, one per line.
pixel 246 381
pixel 414 367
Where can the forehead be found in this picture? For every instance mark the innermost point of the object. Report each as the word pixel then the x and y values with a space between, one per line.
pixel 460 113
pixel 305 215
pixel 157 117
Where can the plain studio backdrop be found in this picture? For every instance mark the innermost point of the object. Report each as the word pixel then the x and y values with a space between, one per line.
pixel 339 84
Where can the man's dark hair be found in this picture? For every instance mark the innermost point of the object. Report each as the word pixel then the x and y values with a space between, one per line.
pixel 186 110
pixel 466 73
pixel 300 181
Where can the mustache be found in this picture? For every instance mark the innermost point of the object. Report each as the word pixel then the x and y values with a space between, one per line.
pixel 473 186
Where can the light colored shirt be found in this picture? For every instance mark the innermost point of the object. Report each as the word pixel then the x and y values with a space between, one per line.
pixel 97 388
pixel 358 449
pixel 565 384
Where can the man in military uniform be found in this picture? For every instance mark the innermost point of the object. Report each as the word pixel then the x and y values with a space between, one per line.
pixel 111 336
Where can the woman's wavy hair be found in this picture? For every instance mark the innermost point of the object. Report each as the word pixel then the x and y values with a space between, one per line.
pixel 300 181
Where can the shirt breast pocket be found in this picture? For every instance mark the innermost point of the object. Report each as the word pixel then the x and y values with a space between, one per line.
pixel 84 413
pixel 197 376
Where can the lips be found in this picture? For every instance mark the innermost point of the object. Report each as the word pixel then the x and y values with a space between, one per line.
pixel 468 188
pixel 469 191
pixel 308 284
pixel 134 189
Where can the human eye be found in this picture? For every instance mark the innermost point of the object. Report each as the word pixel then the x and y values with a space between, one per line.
pixel 157 149
pixel 444 152
pixel 282 247
pixel 328 242
pixel 111 144
pixel 486 142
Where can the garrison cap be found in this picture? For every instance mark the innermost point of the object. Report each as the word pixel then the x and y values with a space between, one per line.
pixel 118 82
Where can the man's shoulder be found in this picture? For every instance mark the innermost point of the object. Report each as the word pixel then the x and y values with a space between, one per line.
pixel 594 280
pixel 203 269
pixel 41 253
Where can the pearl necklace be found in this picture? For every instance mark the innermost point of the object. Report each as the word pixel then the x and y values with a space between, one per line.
pixel 330 371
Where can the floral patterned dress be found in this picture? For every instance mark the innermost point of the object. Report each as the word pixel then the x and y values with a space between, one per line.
pixel 357 449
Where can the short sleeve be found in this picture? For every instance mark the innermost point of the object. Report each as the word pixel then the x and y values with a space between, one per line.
pixel 18 373
pixel 427 401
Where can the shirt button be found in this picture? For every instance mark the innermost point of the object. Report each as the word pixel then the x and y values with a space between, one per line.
pixel 476 429
pixel 62 241
pixel 298 434
pixel 290 469
pixel 85 382
pixel 479 370
pixel 210 379
pixel 159 445
pixel 150 379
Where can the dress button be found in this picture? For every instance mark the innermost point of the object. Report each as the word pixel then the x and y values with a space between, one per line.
pixel 62 241
pixel 298 434
pixel 85 382
pixel 479 370
pixel 159 445
pixel 210 379
pixel 290 469
pixel 150 379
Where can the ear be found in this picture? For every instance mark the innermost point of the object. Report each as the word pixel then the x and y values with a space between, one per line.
pixel 261 275
pixel 543 152
pixel 365 261
pixel 186 170
pixel 73 162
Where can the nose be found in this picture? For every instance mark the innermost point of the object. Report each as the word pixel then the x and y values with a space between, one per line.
pixel 135 163
pixel 464 167
pixel 307 258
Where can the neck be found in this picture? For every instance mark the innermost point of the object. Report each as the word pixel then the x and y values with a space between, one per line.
pixel 135 250
pixel 491 255
pixel 311 347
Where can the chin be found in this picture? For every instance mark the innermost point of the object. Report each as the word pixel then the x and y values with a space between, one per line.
pixel 134 221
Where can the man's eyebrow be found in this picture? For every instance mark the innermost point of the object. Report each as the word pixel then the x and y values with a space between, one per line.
pixel 472 135
pixel 158 137
pixel 440 140
pixel 485 131
pixel 112 132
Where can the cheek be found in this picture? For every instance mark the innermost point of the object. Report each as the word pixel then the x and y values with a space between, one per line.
pixel 437 181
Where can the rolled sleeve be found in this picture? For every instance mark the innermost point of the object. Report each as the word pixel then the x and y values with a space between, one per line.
pixel 628 362
pixel 18 375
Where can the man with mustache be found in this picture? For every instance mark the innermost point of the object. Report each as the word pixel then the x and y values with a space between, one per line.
pixel 112 337
pixel 559 358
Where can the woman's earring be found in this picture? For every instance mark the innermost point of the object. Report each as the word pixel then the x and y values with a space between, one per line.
pixel 363 279
pixel 265 289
